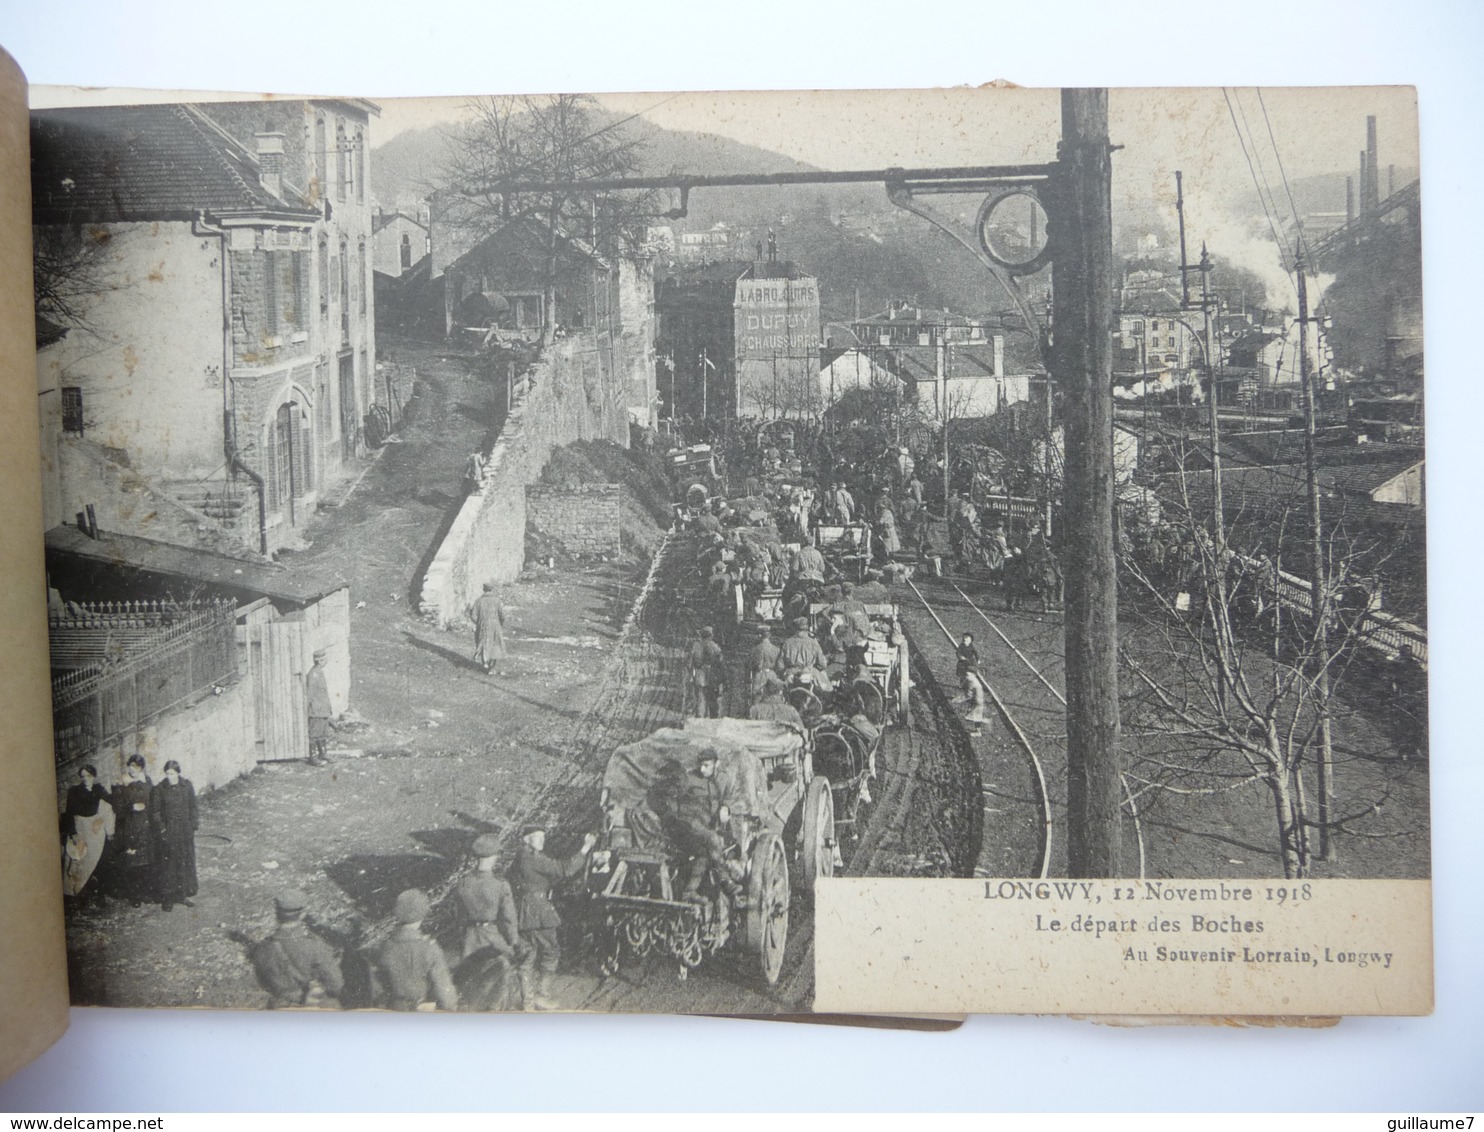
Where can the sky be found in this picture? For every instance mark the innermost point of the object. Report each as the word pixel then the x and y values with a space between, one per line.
pixel 1317 129
pixel 1221 139
pixel 1297 131
pixel 1210 134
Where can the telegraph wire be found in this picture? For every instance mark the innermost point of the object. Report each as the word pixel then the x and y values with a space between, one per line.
pixel 1273 228
pixel 1292 204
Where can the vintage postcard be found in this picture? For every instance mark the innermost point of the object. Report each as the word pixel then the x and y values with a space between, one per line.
pixel 877 552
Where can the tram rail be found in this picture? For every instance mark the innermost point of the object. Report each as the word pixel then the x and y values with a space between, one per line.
pixel 1018 732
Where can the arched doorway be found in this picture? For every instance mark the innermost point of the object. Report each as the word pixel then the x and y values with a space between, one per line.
pixel 289 467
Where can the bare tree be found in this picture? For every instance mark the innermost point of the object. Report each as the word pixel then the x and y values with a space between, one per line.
pixel 545 138
pixel 73 264
pixel 1225 659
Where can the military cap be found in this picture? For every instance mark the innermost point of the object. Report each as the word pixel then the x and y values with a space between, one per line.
pixel 290 900
pixel 319 654
pixel 527 830
pixel 708 631
pixel 411 906
pixel 485 845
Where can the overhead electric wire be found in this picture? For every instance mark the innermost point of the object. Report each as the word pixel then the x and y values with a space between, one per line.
pixel 1267 188
pixel 1272 227
pixel 1292 204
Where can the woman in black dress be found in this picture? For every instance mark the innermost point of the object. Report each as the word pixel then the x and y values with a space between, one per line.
pixel 134 838
pixel 173 814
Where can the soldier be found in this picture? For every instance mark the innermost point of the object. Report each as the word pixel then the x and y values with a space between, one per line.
pixel 801 654
pixel 700 815
pixel 491 930
pixel 708 670
pixel 531 877
pixel 772 705
pixel 855 627
pixel 489 630
pixel 491 921
pixel 412 965
pixel 808 566
pixel 721 595
pixel 763 660
pixel 320 710
pixel 295 967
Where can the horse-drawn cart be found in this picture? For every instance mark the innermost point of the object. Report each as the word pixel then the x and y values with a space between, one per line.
pixel 846 546
pixel 655 889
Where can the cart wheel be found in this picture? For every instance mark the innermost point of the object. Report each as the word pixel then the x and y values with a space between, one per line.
pixel 767 906
pixel 904 682
pixel 818 855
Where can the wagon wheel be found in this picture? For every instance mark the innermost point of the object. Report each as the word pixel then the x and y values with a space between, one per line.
pixel 767 906
pixel 904 684
pixel 804 701
pixel 818 856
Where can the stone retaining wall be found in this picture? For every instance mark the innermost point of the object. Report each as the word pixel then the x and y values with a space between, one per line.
pixel 584 519
pixel 571 394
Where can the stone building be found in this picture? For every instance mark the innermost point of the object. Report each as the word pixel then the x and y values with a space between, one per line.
pixel 400 242
pixel 219 367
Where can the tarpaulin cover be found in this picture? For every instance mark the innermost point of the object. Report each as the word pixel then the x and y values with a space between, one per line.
pixel 635 767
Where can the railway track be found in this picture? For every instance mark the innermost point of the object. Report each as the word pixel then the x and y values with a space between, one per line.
pixel 1020 734
pixel 924 819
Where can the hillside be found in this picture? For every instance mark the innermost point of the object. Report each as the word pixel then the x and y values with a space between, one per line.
pixel 888 255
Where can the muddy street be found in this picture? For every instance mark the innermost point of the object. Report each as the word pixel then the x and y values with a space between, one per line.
pixel 434 752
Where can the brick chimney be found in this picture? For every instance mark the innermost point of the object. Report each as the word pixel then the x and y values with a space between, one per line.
pixel 270 162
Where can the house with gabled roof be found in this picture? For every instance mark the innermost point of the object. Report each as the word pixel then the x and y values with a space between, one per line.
pixel 218 366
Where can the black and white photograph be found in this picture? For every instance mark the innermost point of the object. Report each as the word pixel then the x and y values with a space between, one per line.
pixel 517 553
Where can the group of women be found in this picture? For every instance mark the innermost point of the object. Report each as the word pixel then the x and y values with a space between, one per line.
pixel 135 842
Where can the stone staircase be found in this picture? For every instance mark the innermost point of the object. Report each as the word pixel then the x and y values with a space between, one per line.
pixel 210 515
pixel 230 505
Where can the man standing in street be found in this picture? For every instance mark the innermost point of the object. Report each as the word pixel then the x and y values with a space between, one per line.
pixel 295 967
pixel 489 630
pixel 722 597
pixel 491 928
pixel 531 877
pixel 855 625
pixel 764 659
pixel 708 671
pixel 412 966
pixel 320 710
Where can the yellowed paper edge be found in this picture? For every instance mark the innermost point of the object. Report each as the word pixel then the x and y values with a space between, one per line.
pixel 33 963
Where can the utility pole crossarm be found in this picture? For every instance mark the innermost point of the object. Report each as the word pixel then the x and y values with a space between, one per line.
pixel 961 178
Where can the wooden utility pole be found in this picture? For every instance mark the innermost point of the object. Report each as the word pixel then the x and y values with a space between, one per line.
pixel 1082 361
pixel 1213 405
pixel 1318 586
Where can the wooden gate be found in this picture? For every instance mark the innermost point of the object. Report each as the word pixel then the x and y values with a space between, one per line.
pixel 274 660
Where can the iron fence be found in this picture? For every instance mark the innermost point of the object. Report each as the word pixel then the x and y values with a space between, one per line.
pixel 1372 628
pixel 123 663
